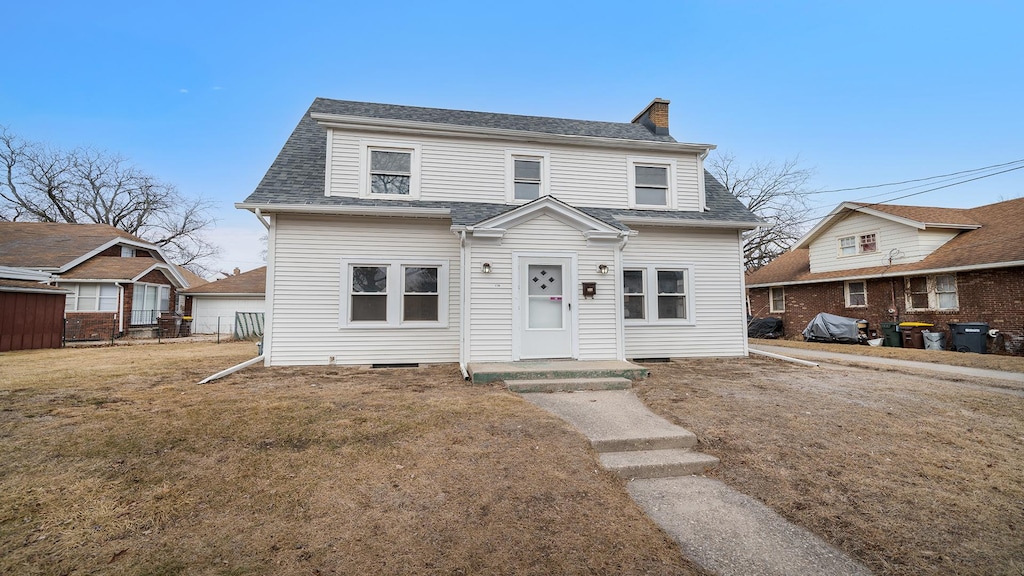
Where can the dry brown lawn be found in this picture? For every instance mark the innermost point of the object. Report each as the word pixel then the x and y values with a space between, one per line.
pixel 113 461
pixel 909 474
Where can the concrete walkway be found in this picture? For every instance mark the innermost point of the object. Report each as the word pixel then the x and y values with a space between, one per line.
pixel 903 365
pixel 718 528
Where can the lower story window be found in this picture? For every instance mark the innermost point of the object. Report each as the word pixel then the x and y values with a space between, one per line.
pixel 655 293
pixel 91 298
pixel 932 292
pixel 394 293
pixel 149 301
pixel 856 294
pixel 777 297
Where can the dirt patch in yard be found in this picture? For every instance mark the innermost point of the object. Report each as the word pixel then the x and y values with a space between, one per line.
pixel 911 475
pixel 112 460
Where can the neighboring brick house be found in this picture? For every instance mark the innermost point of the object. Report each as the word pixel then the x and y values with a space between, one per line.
pixel 117 284
pixel 887 263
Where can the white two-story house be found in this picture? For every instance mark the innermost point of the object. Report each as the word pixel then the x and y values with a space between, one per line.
pixel 402 234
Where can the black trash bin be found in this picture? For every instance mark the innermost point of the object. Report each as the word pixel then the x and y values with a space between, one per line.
pixel 891 333
pixel 969 337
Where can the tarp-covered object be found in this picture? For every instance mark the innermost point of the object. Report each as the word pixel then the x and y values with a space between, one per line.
pixel 764 328
pixel 831 328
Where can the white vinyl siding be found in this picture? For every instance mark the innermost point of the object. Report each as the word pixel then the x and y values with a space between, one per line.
pixel 906 244
pixel 211 314
pixel 491 301
pixel 718 322
pixel 478 171
pixel 308 253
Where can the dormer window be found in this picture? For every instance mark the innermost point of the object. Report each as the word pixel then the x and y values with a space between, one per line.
pixel 859 244
pixel 527 179
pixel 651 183
pixel 390 170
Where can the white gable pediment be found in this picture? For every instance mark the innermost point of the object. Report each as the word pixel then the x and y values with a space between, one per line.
pixel 592 228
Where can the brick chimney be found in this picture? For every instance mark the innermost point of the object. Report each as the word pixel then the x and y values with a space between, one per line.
pixel 654 117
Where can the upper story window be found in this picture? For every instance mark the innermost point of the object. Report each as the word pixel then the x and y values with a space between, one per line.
pixel 127 252
pixel 390 170
pixel 777 299
pixel 527 175
pixel 858 244
pixel 652 183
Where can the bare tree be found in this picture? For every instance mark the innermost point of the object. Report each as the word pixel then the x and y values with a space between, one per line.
pixel 82 186
pixel 777 193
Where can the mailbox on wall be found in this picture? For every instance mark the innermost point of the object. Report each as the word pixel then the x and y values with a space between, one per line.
pixel 589 289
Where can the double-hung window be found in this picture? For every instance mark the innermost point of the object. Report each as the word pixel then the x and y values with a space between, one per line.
pixel 527 175
pixel 856 294
pixel 858 244
pixel 148 301
pixel 651 183
pixel 390 170
pixel 932 292
pixel 657 294
pixel 394 293
pixel 777 299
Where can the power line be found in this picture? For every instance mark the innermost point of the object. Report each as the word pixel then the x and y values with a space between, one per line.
pixel 946 186
pixel 973 170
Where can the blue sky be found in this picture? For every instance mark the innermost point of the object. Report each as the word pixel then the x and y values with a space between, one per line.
pixel 203 94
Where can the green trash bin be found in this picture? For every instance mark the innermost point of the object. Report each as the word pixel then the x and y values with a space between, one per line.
pixel 891 335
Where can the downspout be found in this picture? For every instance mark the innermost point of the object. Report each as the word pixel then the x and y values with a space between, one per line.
pixel 619 325
pixel 120 307
pixel 464 308
pixel 259 216
pixel 744 309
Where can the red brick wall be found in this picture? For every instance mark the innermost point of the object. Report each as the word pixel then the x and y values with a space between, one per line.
pixel 995 297
pixel 90 325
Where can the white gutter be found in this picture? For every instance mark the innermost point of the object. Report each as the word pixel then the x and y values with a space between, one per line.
pixel 411 127
pixel 232 370
pixel 410 211
pixel 896 274
pixel 663 221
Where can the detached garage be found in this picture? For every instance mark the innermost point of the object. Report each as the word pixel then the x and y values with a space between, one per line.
pixel 215 305
pixel 31 315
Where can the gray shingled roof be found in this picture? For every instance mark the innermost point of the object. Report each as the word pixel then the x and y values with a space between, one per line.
pixel 296 176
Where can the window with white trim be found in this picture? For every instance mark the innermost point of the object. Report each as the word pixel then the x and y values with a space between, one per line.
pixel 858 244
pixel 91 298
pixel 394 293
pixel 652 183
pixel 148 302
pixel 777 299
pixel 527 175
pixel 657 294
pixel 932 292
pixel 856 294
pixel 389 170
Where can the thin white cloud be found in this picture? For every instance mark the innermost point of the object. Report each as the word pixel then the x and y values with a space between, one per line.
pixel 183 90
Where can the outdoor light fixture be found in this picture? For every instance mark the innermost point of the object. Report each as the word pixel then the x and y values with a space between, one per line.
pixel 486 268
pixel 602 268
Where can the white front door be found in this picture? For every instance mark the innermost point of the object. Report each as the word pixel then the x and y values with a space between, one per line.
pixel 545 307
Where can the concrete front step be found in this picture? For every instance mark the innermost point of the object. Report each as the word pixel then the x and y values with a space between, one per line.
pixel 657 463
pixel 489 372
pixel 568 384
pixel 670 440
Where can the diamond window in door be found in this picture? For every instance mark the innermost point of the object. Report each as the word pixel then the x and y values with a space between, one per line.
pixel 544 296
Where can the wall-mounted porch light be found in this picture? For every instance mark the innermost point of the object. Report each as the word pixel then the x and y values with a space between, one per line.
pixel 486 268
pixel 602 268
